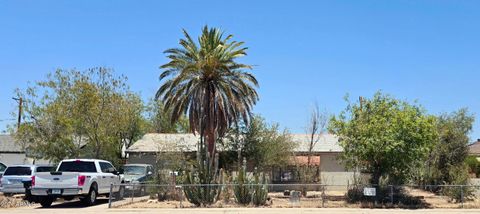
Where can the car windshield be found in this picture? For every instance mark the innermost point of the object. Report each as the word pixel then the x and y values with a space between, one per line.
pixel 18 170
pixel 134 170
pixel 2 167
pixel 45 169
pixel 77 166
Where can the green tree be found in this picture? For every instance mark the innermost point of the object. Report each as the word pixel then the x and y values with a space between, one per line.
pixel 80 114
pixel 261 143
pixel 384 136
pixel 206 82
pixel 160 121
pixel 446 162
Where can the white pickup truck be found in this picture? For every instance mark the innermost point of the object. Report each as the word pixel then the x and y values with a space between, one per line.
pixel 83 178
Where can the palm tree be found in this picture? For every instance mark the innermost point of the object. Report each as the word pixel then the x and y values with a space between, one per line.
pixel 205 82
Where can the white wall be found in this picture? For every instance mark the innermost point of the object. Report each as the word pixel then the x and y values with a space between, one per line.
pixel 333 172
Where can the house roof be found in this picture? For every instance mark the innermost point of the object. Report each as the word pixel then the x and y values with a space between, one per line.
pixel 155 142
pixel 8 144
pixel 474 148
pixel 323 143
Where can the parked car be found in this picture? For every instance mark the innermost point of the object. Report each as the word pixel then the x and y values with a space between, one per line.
pixel 14 177
pixel 137 174
pixel 2 169
pixel 83 178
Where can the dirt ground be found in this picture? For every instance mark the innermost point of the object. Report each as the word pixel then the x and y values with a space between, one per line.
pixel 438 201
pixel 333 199
pixel 13 201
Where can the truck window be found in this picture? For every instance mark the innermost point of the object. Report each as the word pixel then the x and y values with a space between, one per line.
pixel 106 167
pixel 18 170
pixel 77 166
pixel 45 169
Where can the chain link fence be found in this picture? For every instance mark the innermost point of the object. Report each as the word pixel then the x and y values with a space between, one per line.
pixel 139 195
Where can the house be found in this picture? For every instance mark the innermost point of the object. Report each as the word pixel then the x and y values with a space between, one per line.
pixel 12 152
pixel 325 155
pixel 474 149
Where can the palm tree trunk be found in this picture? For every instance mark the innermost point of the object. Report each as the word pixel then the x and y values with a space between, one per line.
pixel 211 143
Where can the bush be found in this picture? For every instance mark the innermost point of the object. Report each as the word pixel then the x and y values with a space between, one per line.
pixel 160 189
pixel 473 165
pixel 458 193
pixel 383 198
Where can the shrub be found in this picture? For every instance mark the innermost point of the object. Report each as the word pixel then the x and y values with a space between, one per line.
pixel 473 165
pixel 460 192
pixel 243 188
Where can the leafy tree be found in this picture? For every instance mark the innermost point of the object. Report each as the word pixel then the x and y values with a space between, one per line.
pixel 263 144
pixel 446 162
pixel 384 136
pixel 206 82
pixel 160 121
pixel 80 114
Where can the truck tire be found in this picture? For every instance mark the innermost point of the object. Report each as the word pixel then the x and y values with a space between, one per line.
pixel 91 198
pixel 46 202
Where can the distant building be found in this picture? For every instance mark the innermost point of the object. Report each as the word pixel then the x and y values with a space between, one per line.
pixel 12 152
pixel 325 155
pixel 474 149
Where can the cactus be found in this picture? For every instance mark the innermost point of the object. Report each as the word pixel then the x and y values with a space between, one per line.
pixel 204 181
pixel 260 191
pixel 243 188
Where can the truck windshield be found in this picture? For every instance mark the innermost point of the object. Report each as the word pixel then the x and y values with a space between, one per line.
pixel 18 170
pixel 134 170
pixel 77 166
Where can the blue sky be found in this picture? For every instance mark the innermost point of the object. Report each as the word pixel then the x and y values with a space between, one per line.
pixel 305 51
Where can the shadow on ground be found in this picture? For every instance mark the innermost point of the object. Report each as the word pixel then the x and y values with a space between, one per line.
pixel 75 204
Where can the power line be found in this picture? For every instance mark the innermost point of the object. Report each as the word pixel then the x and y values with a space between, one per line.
pixel 3 120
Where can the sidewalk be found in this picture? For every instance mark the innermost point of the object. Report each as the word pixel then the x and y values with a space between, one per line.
pixel 104 209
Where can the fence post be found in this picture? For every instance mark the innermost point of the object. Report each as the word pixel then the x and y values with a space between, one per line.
pixel 181 196
pixel 323 196
pixel 391 194
pixel 461 194
pixel 133 192
pixel 110 196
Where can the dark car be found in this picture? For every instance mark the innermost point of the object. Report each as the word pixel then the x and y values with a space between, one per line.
pixel 136 175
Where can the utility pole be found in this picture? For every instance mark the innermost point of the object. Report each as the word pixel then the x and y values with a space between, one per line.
pixel 360 99
pixel 20 105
